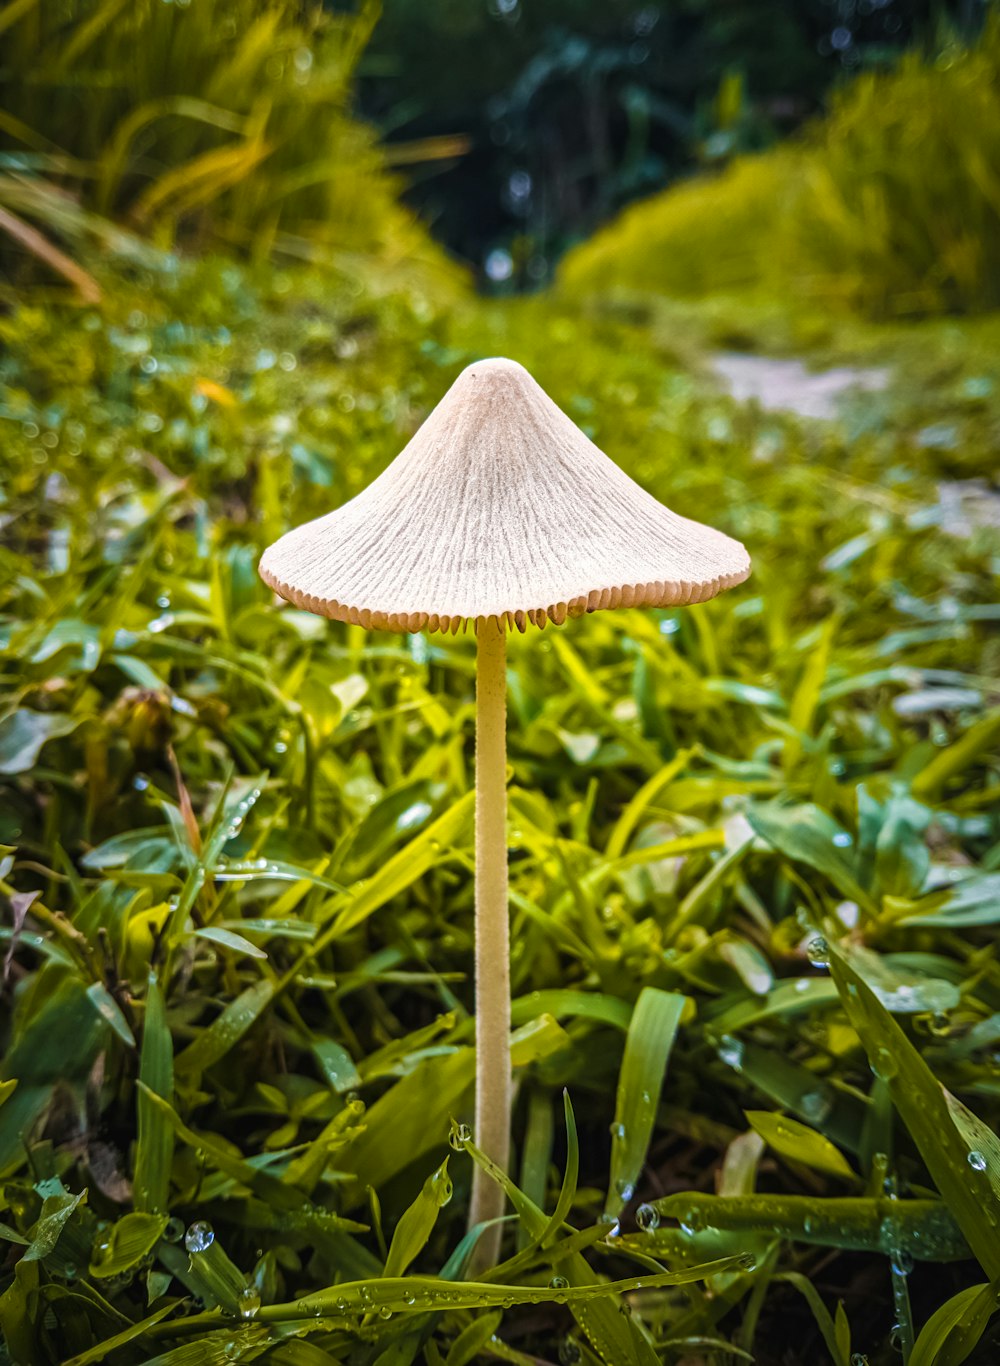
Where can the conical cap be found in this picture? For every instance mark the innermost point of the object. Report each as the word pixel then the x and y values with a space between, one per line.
pixel 498 507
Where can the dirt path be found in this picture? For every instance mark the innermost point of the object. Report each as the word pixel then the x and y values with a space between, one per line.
pixel 787 385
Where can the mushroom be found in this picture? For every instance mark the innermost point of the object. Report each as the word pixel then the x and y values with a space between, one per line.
pixel 498 512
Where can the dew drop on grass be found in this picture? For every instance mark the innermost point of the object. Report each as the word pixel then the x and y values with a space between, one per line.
pixel 569 1352
pixel 249 1302
pixel 858 1359
pixel 174 1230
pixel 625 1189
pixel 747 1261
pixel 977 1160
pixel 901 1262
pixel 818 952
pixel 199 1237
pixel 648 1218
pixel 884 1065
pixel 559 1283
pixel 460 1135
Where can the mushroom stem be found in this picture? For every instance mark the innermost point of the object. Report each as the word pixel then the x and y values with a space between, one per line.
pixel 492 1123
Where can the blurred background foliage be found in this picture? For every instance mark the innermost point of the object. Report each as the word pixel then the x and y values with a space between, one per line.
pixel 889 206
pixel 573 108
pixel 755 845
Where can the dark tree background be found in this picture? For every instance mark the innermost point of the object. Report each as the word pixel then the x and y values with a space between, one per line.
pixel 570 108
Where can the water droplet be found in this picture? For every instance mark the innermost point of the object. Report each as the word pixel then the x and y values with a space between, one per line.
pixel 249 1302
pixel 460 1135
pixel 884 1064
pixel 901 1262
pixel 559 1283
pixel 648 1218
pixel 199 1237
pixel 896 1337
pixel 618 1131
pixel 625 1189
pixel 818 952
pixel 569 1352
pixel 612 1224
pixel 842 839
pixel 747 1261
pixel 977 1161
pixel 859 1359
pixel 174 1230
pixel 385 1312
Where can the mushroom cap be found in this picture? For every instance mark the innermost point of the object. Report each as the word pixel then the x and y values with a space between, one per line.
pixel 499 507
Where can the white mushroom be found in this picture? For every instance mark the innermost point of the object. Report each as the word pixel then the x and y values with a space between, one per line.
pixel 500 512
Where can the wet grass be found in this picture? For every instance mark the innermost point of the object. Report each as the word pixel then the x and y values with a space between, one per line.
pixel 754 864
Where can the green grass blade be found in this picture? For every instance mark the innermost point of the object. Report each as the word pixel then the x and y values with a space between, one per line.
pixel 648 1043
pixel 954 1329
pixel 920 1100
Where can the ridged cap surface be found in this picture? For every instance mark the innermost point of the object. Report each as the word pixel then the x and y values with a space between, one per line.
pixel 498 507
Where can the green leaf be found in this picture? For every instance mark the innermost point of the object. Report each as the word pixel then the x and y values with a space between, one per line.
pixel 799 1143
pixel 24 732
pixel 417 1222
pixel 155 1136
pixel 953 1330
pixel 975 900
pixel 922 1105
pixel 923 1228
pixel 226 1030
pixel 648 1043
pixel 110 1011
pixel 806 834
pixel 232 941
pixel 901 991
pixel 125 1244
pixel 55 1215
pixel 952 762
pixel 403 869
pixel 473 1338
pixel 418 1294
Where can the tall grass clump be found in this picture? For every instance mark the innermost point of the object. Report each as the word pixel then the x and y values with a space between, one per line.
pixel 890 206
pixel 226 120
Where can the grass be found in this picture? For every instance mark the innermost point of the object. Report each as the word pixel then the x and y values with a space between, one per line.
pixel 754 865
pixel 888 207
pixel 225 121
pixel 755 845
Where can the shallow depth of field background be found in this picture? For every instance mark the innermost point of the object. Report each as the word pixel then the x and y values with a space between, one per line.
pixel 753 250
